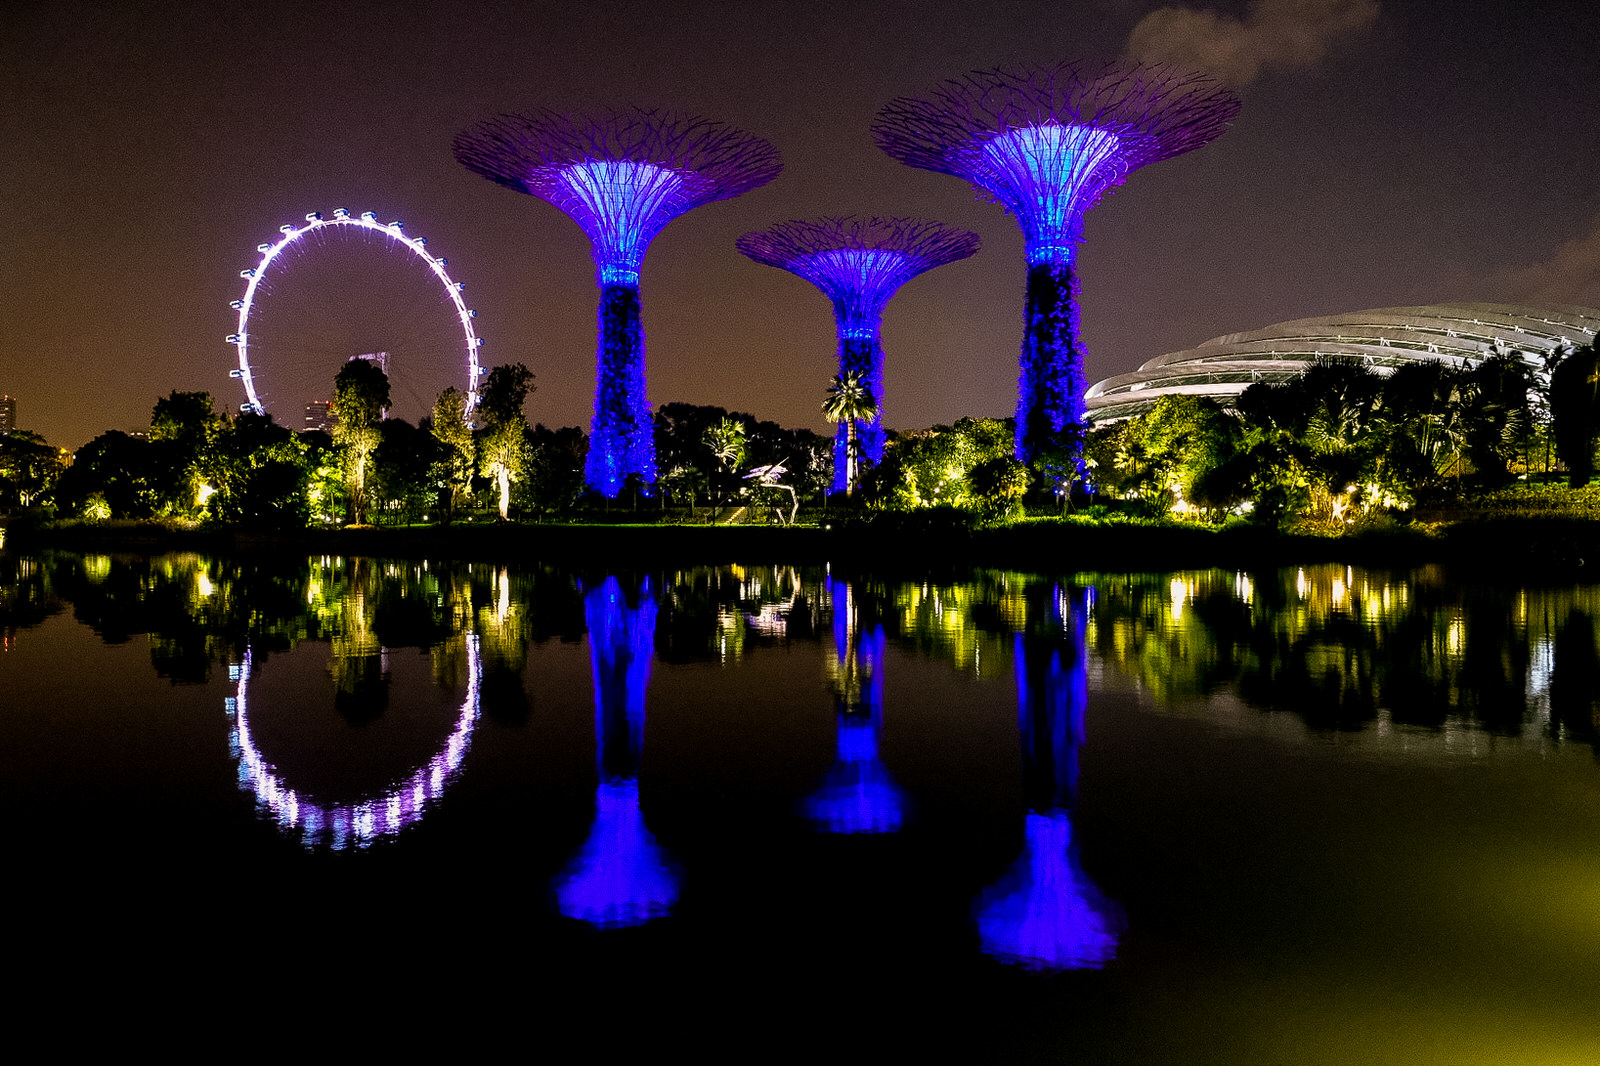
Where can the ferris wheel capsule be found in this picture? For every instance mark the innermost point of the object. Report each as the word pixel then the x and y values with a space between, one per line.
pixel 271 259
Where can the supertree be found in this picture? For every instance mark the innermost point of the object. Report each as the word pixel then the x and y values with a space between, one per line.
pixel 1047 144
pixel 621 176
pixel 859 264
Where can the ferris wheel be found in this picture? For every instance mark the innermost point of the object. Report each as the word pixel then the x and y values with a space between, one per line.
pixel 418 330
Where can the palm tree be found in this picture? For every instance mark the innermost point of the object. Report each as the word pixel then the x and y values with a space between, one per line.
pixel 849 401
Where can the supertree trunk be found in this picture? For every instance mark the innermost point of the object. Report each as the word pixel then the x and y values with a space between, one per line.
pixel 622 440
pixel 1052 383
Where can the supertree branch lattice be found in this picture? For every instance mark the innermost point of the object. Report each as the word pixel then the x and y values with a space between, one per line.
pixel 859 264
pixel 1047 144
pixel 621 176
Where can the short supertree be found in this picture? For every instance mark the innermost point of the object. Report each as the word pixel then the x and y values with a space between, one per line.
pixel 1047 144
pixel 859 264
pixel 621 176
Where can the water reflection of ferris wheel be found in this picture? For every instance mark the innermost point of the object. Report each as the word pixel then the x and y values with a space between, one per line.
pixel 346 287
pixel 338 823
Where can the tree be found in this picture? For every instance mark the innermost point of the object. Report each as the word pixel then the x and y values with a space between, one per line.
pixel 849 400
pixel 502 442
pixel 454 461
pixel 184 430
pixel 360 395
pixel 28 469
pixel 726 441
pixel 260 472
pixel 1575 412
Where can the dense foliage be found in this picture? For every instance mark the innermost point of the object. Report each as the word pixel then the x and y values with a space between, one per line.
pixel 1340 445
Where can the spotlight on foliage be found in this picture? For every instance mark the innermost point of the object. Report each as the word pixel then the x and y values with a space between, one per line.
pixel 622 176
pixel 859 264
pixel 1047 144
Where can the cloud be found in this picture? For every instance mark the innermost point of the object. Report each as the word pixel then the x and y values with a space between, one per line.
pixel 1284 34
pixel 1571 276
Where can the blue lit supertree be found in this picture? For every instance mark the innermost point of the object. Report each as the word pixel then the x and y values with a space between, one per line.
pixel 1047 144
pixel 622 176
pixel 859 264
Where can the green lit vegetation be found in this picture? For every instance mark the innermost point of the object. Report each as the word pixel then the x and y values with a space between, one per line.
pixel 1340 449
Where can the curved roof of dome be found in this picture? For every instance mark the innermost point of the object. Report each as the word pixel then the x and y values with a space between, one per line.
pixel 1385 338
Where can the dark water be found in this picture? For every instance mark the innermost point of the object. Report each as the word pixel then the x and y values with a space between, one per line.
pixel 1310 816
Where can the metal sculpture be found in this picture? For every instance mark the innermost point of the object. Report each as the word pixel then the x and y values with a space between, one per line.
pixel 621 176
pixel 1047 144
pixel 859 264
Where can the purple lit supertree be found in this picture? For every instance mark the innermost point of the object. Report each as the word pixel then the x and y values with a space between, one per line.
pixel 621 176
pixel 859 264
pixel 1047 144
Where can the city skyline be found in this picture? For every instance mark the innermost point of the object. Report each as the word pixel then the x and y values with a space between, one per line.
pixel 1387 154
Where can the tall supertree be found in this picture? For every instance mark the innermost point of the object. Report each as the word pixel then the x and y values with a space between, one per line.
pixel 859 264
pixel 621 176
pixel 1047 144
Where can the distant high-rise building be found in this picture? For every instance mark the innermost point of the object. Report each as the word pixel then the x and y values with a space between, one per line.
pixel 319 415
pixel 8 414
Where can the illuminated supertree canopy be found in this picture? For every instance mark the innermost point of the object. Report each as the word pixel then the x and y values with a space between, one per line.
pixel 621 176
pixel 859 263
pixel 1047 144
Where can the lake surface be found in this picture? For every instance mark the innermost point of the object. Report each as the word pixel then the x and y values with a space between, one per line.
pixel 1319 815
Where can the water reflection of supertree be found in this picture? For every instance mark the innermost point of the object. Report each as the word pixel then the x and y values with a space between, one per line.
pixel 857 795
pixel 343 825
pixel 621 876
pixel 1045 913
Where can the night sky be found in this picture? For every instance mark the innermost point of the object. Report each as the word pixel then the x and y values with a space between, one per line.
pixel 1388 153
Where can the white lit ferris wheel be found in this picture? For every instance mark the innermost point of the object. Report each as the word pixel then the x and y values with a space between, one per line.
pixel 381 293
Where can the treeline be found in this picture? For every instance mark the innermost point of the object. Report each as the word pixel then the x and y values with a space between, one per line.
pixel 1337 446
pixel 1342 443
pixel 197 464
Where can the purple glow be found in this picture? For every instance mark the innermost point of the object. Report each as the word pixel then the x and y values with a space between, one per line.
pixel 368 221
pixel 621 649
pixel 857 794
pixel 1045 914
pixel 1049 176
pixel 620 876
pixel 859 264
pixel 337 825
pixel 621 176
pixel 1047 144
pixel 621 205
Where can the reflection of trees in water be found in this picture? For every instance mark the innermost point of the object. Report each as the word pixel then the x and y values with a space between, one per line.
pixel 27 595
pixel 715 612
pixel 1574 698
pixel 1341 647
pixel 1344 648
